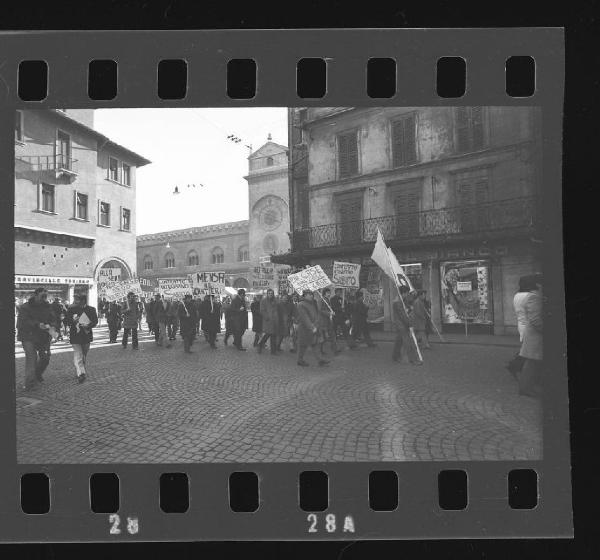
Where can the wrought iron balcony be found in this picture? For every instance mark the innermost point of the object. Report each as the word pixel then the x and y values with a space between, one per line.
pixel 503 216
pixel 47 167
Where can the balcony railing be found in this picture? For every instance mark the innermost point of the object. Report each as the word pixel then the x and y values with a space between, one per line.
pixel 59 163
pixel 498 216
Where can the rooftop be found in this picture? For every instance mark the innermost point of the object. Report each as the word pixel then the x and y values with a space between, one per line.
pixel 189 232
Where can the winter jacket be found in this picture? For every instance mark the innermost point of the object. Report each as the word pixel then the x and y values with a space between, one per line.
pixel 419 315
pixel 188 316
pixel 256 316
pixel 31 314
pixel 270 316
pixel 131 315
pixel 308 320
pixel 532 346
pixel 400 318
pixel 211 317
pixel 82 335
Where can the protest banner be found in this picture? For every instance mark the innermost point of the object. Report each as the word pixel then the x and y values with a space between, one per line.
pixel 311 278
pixel 118 290
pixel 207 283
pixel 264 277
pixel 107 274
pixel 175 288
pixel 283 286
pixel 345 274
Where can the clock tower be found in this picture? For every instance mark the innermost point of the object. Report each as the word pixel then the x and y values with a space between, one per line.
pixel 268 194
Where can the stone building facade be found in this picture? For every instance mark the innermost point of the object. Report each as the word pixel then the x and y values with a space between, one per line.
pixel 454 191
pixel 74 204
pixel 233 247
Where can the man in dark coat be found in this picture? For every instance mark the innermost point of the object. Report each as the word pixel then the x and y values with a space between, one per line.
pixel 187 322
pixel 326 321
pixel 402 326
pixel 172 319
pixel 113 317
pixel 257 325
pixel 270 321
pixel 130 313
pixel 211 319
pixel 360 325
pixel 239 318
pixel 33 325
pixel 340 317
pixel 59 311
pixel 81 335
pixel 308 327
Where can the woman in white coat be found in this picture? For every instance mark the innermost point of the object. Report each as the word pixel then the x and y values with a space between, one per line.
pixel 532 349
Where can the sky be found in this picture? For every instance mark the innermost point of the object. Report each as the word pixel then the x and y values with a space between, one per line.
pixel 190 146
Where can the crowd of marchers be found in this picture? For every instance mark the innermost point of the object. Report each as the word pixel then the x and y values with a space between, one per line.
pixel 315 322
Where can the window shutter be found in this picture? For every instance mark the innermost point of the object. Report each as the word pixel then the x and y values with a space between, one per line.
pixel 348 154
pixel 397 139
pixel 462 129
pixel 477 127
pixel 409 148
pixel 75 204
pixel 120 217
pixel 99 212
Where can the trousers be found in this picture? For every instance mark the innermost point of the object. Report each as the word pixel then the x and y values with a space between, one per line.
pixel 404 342
pixel 134 337
pixel 79 357
pixel 37 359
pixel 314 348
pixel 162 335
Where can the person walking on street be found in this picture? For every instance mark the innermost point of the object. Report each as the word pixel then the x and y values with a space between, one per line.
pixel 256 318
pixel 187 322
pixel 227 314
pixel 308 329
pixel 82 319
pixel 294 337
pixel 360 325
pixel 419 319
pixel 525 288
pixel 142 308
pixel 340 318
pixel 270 321
pixel 239 317
pixel 327 331
pixel 402 325
pixel 532 346
pixel 59 311
pixel 113 318
pixel 172 319
pixel 33 331
pixel 211 319
pixel 285 309
pixel 130 312
pixel 161 318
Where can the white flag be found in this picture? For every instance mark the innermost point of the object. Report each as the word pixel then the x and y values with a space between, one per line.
pixel 397 268
pixel 382 258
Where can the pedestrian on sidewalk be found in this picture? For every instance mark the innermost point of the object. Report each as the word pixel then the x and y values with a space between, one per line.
pixel 211 319
pixel 270 322
pixel 187 322
pixel 419 318
pixel 113 318
pixel 341 320
pixel 130 312
pixel 308 329
pixel 33 327
pixel 360 325
pixel 82 319
pixel 532 347
pixel 526 285
pixel 256 319
pixel 239 318
pixel 404 342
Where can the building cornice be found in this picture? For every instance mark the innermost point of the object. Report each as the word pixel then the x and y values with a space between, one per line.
pixel 54 232
pixel 185 234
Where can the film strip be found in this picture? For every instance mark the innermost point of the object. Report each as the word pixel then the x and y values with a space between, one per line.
pixel 437 492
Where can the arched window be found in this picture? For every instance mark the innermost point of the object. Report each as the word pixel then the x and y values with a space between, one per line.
pixel 241 283
pixel 243 254
pixel 218 256
pixel 269 161
pixel 193 259
pixel 148 264
pixel 169 260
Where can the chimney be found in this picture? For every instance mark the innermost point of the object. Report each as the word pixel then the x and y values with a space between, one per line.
pixel 269 138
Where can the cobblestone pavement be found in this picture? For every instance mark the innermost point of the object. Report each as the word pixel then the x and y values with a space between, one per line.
pixel 161 405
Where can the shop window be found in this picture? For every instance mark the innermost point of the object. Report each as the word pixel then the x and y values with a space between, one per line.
pixel 243 254
pixel 148 263
pixel 217 256
pixel 125 219
pixel 113 169
pixel 169 260
pixel 347 144
pixel 466 293
pixel 404 141
pixel 126 174
pixel 469 129
pixel 81 206
pixel 104 213
pixel 47 198
pixel 193 259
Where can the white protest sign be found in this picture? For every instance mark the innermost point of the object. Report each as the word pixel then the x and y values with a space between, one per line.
pixel 311 278
pixel 463 286
pixel 106 274
pixel 115 291
pixel 345 274
pixel 263 277
pixel 207 283
pixel 174 287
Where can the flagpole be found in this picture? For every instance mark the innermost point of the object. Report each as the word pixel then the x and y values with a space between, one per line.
pixel 411 329
pixel 323 300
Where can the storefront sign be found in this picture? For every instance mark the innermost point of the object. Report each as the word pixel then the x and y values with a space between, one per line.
pixel 29 279
pixel 345 274
pixel 207 283
pixel 174 287
pixel 311 278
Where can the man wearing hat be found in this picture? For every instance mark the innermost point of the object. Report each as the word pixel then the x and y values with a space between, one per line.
pixel 308 327
pixel 239 316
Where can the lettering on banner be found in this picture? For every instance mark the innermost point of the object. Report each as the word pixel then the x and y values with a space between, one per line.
pixel 263 277
pixel 207 283
pixel 174 287
pixel 311 278
pixel 118 290
pixel 345 274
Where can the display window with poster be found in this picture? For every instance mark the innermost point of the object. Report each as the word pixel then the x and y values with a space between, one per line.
pixel 466 294
pixel 372 286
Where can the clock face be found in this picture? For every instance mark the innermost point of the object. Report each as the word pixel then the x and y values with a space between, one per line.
pixel 270 213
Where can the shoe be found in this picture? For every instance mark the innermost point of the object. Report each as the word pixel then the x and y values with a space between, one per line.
pixel 134 348
pixel 323 362
pixel 303 363
pixel 39 377
pixel 241 348
pixel 81 378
